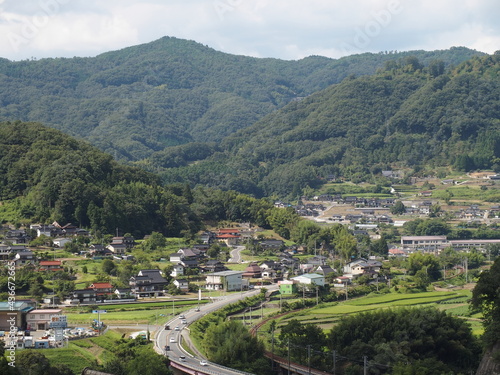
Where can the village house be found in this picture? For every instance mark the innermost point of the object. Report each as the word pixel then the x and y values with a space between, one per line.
pixel 287 287
pixel 225 280
pixel 182 284
pixel 361 266
pixel 148 283
pixel 103 290
pixel 17 237
pixel 24 257
pixel 214 265
pixel 229 236
pixel 82 296
pixel 128 241
pixel 310 279
pixel 177 270
pixel 124 293
pixel 117 248
pixel 61 241
pixel 252 271
pixel 50 265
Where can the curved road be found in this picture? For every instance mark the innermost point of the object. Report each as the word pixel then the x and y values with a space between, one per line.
pixel 235 254
pixel 174 337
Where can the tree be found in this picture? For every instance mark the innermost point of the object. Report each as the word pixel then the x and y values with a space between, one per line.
pixel 345 243
pixel 427 262
pixel 422 279
pixel 380 246
pixel 155 241
pixel 398 209
pixel 108 267
pixel 32 362
pixel 230 344
pixel 485 297
pixel 282 220
pixel 398 336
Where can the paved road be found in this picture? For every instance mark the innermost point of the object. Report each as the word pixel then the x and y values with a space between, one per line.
pixel 174 337
pixel 236 254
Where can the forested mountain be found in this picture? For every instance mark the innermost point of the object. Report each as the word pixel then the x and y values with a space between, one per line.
pixel 46 175
pixel 139 100
pixel 407 115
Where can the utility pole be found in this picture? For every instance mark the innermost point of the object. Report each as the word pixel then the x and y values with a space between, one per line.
pixel 309 359
pixel 334 361
pixel 272 348
pixel 289 356
pixel 365 365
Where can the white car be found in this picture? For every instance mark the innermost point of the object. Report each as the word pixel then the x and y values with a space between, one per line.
pixel 203 363
pixel 182 358
pixel 172 339
pixel 184 321
pixel 177 328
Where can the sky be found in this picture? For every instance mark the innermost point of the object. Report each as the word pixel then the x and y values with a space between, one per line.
pixel 285 29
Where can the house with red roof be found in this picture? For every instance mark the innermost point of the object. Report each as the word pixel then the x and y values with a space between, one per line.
pixel 50 265
pixel 102 290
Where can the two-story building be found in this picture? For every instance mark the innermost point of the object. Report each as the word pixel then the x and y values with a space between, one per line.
pixel 103 290
pixel 148 283
pixel 423 243
pixel 40 319
pixel 361 266
pixel 225 280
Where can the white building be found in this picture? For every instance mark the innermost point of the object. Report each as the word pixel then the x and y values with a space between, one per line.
pixel 224 280
pixel 310 278
pixel 40 319
pixel 425 243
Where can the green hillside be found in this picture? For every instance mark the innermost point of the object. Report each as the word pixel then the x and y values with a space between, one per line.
pixel 142 99
pixel 408 115
pixel 46 175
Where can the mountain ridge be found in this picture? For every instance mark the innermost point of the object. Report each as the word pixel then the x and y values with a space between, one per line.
pixel 146 98
pixel 407 116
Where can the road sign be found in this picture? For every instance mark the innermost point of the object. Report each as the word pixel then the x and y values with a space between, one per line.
pixel 99 311
pixel 58 321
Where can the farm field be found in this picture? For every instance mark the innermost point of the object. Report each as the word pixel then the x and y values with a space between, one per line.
pixel 80 353
pixel 133 313
pixel 454 302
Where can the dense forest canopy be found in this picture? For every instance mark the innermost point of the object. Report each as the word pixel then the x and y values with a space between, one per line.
pixel 408 115
pixel 48 176
pixel 144 99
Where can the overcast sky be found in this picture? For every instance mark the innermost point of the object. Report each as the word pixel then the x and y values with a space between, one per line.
pixel 286 29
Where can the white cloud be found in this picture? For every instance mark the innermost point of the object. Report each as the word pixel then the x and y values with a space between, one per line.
pixel 288 29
